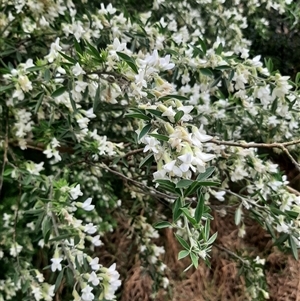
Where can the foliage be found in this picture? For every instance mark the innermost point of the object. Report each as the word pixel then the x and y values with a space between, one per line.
pixel 109 108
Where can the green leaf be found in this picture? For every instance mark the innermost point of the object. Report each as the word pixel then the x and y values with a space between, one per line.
pixel 183 254
pixel 208 183
pixel 61 237
pixel 183 183
pixel 182 242
pixel 47 75
pixel 271 230
pixel 68 58
pixel 157 114
pixel 39 102
pixel 215 82
pixel 206 229
pixel 187 213
pixel 7 172
pixel 130 61
pixel 34 211
pixel 97 99
pixel 160 137
pixel 145 130
pixel 59 91
pixel 293 247
pixel 206 71
pixel 4 88
pixel 292 214
pixel 37 227
pixel 93 51
pixel 176 209
pixel 269 64
pixel 219 49
pixel 203 45
pixel 223 67
pixel 205 175
pixel 199 208
pixel 192 189
pixel 178 116
pixel 194 259
pixel 147 160
pixel 59 280
pixel 138 116
pixel 212 238
pixel 162 225
pixel 167 185
pixel 197 52
pixel 77 47
pixel 46 226
pixel 281 239
pixel 73 104
pixel 35 68
pixel 297 80
pixel 167 97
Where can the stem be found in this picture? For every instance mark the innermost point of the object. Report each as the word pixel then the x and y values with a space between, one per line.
pixel 5 150
pixel 65 251
pixel 281 146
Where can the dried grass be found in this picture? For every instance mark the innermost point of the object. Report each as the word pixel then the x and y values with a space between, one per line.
pixel 222 282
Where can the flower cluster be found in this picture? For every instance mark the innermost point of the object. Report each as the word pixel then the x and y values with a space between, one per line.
pixel 136 109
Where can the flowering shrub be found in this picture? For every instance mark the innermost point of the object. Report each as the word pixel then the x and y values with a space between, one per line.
pixel 105 109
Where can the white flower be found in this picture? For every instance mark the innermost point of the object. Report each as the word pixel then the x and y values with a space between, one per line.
pixel 95 264
pixel 94 279
pixel 96 241
pixel 219 195
pixel 18 93
pixel 114 283
pixel 55 143
pixel 186 110
pixel 37 292
pixel 152 59
pixel 25 83
pixel 165 282
pixel 87 294
pixel 77 70
pixel 186 162
pixel 75 192
pixel 151 144
pixel 160 174
pixel 80 86
pixel 199 137
pixel 89 113
pixel 39 276
pixel 172 168
pixel 50 293
pixel 168 112
pixel 56 265
pixel 83 122
pixel 238 174
pixel 165 63
pixel 87 205
pixel 34 169
pixel 90 228
pixel 54 51
pixel 15 250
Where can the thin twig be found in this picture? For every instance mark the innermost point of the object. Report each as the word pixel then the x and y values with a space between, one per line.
pixel 245 262
pixel 281 146
pixel 133 152
pixel 5 152
pixel 55 227
pixel 138 184
pixel 292 190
